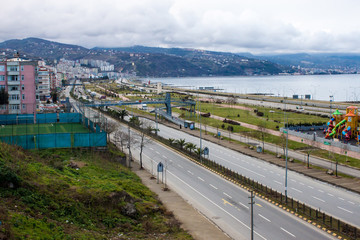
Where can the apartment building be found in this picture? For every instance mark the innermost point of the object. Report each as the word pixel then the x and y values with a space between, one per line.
pixel 17 77
pixel 43 84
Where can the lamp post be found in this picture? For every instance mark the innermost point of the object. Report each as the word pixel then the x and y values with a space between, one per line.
pixel 331 100
pixel 286 152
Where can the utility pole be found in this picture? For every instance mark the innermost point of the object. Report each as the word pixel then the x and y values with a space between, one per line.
pixel 252 196
pixel 286 152
pixel 331 100
pixel 129 147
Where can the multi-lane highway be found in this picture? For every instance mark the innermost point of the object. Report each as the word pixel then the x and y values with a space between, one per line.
pixel 335 201
pixel 225 203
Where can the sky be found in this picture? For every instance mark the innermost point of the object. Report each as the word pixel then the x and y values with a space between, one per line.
pixel 255 26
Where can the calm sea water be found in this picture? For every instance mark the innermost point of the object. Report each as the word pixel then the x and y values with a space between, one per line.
pixel 345 87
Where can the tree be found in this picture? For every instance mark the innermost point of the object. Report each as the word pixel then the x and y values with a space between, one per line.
pixel 199 151
pixel 180 143
pixel 143 140
pixel 135 121
pixel 122 138
pixel 54 96
pixel 123 113
pixel 171 141
pixel 262 132
pixel 190 146
pixel 4 97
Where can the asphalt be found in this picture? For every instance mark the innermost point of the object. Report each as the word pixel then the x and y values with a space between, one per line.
pixel 351 184
pixel 191 220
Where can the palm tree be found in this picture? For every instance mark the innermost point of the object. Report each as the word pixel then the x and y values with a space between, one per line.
pixel 122 114
pixel 181 143
pixel 190 146
pixel 199 151
pixel 171 141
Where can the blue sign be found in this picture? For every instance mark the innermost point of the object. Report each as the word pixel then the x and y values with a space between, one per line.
pixel 160 167
pixel 219 134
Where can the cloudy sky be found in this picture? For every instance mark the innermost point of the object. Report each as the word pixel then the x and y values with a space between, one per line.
pixel 256 26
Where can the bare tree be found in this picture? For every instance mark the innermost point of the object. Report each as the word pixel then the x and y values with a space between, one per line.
pixel 122 138
pixel 262 132
pixel 143 140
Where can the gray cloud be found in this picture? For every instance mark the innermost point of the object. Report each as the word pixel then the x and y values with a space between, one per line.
pixel 230 25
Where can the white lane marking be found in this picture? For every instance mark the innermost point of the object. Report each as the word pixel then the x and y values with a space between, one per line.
pixel 151 148
pixel 292 180
pixel 180 166
pixel 157 152
pixel 277 182
pixel 241 166
pixel 164 156
pixel 351 202
pixel 296 190
pixel 271 171
pixel 190 172
pixel 278 174
pixel 264 217
pixel 213 186
pixel 330 194
pixel 345 210
pixel 222 209
pixel 201 179
pixel 321 191
pixel 287 232
pixel 341 198
pixel 311 187
pixel 301 183
pixel 243 205
pixel 227 195
pixel 170 160
pixel 318 199
pixel 265 169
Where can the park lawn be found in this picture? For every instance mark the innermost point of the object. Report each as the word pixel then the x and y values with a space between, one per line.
pixel 250 117
pixel 46 128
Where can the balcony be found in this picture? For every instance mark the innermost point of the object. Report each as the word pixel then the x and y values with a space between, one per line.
pixel 13 82
pixel 14 92
pixel 13 73
pixel 14 101
pixel 14 111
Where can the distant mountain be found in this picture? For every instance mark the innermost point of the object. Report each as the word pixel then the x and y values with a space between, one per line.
pixel 316 60
pixel 149 61
pixel 44 49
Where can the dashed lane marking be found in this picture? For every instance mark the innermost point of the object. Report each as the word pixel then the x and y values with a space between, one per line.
pixel 227 195
pixel 296 190
pixel 287 232
pixel 344 209
pixel 213 186
pixel 318 199
pixel 264 217
pixel 201 179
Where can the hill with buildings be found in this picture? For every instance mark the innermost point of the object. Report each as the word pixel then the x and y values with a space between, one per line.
pixel 145 61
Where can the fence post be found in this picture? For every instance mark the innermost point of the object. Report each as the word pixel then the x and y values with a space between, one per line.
pixel 331 222
pixel 323 216
pixel 338 227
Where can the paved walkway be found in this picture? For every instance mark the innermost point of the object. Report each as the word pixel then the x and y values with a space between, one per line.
pixel 191 220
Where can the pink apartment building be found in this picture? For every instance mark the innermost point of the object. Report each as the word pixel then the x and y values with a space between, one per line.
pixel 17 77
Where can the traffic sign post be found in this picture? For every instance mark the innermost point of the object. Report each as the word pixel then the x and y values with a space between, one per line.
pixel 160 168
pixel 206 151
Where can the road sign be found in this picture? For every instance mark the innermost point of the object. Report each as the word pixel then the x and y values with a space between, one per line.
pixel 160 167
pixel 206 151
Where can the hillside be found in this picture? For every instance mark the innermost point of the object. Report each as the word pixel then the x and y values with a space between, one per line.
pixel 77 194
pixel 149 62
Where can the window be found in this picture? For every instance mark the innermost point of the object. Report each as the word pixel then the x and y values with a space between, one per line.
pixel 23 87
pixel 2 107
pixel 22 78
pixel 14 107
pixel 13 78
pixel 23 97
pixel 2 68
pixel 2 86
pixel 2 78
pixel 14 97
pixel 22 68
pixel 14 88
pixel 24 106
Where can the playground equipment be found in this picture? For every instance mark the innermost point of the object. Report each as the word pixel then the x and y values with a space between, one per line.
pixel 346 125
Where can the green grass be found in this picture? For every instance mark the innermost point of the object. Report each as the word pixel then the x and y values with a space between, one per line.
pixel 46 128
pixel 51 200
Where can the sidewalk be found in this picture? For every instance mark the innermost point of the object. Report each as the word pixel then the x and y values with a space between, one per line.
pixel 191 220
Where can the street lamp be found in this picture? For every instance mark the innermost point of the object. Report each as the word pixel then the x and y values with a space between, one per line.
pixel 331 100
pixel 286 152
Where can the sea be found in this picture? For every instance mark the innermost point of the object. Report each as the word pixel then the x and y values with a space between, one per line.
pixel 339 88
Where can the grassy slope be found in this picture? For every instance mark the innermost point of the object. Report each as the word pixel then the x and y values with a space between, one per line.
pixel 51 200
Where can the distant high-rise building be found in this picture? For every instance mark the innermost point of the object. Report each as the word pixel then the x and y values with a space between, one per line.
pixel 17 78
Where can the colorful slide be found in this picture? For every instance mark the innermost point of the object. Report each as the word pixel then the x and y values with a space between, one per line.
pixel 336 127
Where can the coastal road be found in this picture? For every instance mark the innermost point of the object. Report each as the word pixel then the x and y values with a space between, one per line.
pixel 335 201
pixel 223 202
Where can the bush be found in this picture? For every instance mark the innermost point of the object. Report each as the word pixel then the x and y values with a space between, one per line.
pixel 8 177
